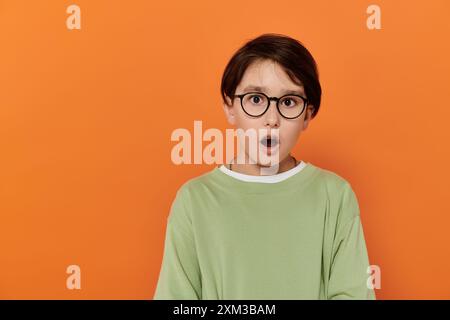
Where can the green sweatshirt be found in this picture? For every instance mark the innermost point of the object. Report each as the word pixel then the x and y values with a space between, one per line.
pixel 298 238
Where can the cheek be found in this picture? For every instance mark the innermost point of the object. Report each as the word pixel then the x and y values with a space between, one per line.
pixel 292 127
pixel 290 133
pixel 244 122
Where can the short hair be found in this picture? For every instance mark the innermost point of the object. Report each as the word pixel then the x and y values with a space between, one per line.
pixel 289 53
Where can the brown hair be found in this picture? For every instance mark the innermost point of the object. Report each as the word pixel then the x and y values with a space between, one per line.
pixel 293 57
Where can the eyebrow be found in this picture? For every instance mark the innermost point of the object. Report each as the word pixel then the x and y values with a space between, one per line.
pixel 264 90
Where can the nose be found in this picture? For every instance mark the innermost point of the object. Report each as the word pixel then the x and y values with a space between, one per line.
pixel 272 117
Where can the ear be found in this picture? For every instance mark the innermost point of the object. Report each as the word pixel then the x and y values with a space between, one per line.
pixel 308 116
pixel 229 111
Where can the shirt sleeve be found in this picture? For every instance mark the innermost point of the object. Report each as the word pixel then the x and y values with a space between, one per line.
pixel 179 277
pixel 349 267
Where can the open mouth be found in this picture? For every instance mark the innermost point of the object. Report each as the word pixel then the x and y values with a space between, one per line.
pixel 269 141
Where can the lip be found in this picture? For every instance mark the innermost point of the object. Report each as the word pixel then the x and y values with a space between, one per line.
pixel 272 137
pixel 273 148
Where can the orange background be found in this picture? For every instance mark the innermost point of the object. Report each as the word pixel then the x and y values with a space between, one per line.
pixel 86 118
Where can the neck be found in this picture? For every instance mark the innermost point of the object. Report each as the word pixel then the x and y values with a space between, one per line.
pixel 255 169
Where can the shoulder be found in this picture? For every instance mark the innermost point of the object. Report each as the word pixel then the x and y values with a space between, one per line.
pixel 198 182
pixel 191 193
pixel 195 188
pixel 331 180
pixel 339 192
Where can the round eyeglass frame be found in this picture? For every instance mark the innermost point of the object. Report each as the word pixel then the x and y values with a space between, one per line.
pixel 269 99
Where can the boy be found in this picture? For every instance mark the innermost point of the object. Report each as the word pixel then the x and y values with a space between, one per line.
pixel 234 233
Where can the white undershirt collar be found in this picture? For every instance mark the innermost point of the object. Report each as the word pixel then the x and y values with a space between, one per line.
pixel 264 179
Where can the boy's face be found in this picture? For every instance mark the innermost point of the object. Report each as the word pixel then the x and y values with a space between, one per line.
pixel 274 82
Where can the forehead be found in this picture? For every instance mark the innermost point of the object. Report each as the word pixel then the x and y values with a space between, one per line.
pixel 270 77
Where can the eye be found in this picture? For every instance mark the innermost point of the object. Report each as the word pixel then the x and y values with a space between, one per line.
pixel 290 102
pixel 256 99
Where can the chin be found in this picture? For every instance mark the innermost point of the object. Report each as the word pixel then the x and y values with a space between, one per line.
pixel 270 161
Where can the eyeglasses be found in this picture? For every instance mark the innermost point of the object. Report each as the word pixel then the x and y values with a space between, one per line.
pixel 255 104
